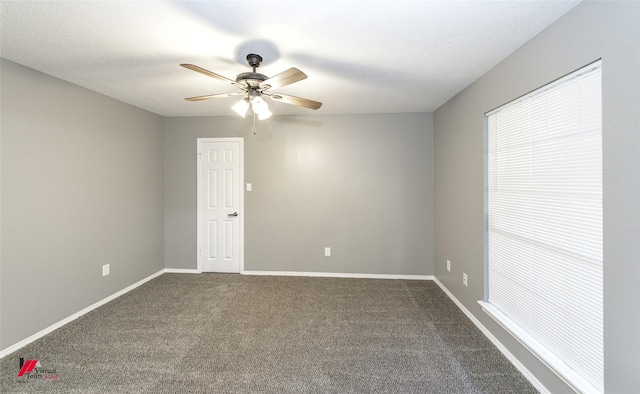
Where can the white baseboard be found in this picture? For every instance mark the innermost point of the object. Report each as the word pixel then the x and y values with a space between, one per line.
pixel 76 315
pixel 338 275
pixel 181 271
pixel 516 363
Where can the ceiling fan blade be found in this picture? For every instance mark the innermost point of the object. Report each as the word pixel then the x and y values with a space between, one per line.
pixel 210 96
pixel 283 79
pixel 212 74
pixel 299 101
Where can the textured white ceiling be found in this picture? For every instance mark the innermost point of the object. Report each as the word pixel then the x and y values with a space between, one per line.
pixel 376 56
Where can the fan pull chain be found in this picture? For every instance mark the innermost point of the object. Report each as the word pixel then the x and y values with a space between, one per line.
pixel 254 123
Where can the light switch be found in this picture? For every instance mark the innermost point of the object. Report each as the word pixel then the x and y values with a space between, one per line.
pixel 248 187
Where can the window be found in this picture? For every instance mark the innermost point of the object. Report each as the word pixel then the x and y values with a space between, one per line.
pixel 544 233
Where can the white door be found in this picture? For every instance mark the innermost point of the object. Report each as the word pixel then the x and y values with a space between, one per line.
pixel 220 203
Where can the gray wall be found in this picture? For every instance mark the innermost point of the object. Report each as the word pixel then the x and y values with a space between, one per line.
pixel 607 30
pixel 82 186
pixel 360 184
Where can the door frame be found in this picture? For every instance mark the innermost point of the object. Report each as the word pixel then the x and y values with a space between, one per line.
pixel 199 243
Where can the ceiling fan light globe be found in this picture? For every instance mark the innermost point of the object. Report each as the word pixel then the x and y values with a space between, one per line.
pixel 266 114
pixel 259 105
pixel 241 107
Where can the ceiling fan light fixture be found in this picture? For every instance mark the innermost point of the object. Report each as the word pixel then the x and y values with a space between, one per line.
pixel 265 114
pixel 258 105
pixel 241 107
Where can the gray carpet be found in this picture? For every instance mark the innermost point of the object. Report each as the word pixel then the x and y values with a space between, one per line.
pixel 221 333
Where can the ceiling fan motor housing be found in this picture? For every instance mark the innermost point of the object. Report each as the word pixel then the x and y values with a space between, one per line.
pixel 251 79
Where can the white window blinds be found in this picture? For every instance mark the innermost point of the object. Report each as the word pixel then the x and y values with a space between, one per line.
pixel 545 224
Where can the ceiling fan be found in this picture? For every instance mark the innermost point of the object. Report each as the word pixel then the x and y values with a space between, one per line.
pixel 254 85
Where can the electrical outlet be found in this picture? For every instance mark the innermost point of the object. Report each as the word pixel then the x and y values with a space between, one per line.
pixel 448 265
pixel 105 270
pixel 464 279
pixel 327 252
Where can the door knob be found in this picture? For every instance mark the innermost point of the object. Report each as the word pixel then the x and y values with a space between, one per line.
pixel 233 214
